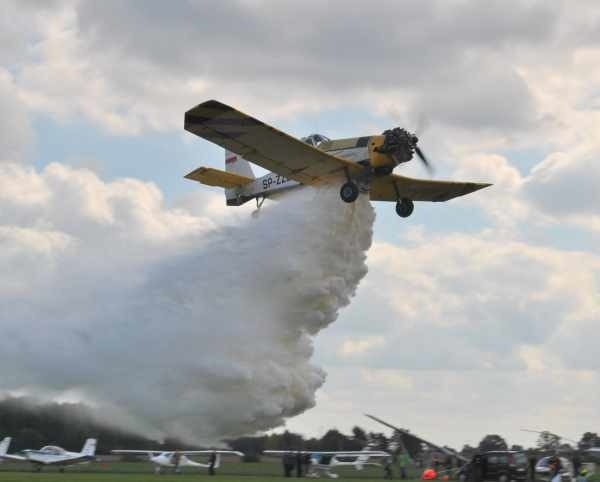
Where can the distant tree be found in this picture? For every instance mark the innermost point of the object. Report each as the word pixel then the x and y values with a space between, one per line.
pixel 517 448
pixel 467 451
pixel 359 434
pixel 492 442
pixel 333 440
pixel 589 440
pixel 548 441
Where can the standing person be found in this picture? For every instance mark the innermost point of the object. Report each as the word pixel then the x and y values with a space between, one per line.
pixel 576 463
pixel 288 460
pixel 387 467
pixel 555 467
pixel 532 463
pixel 299 462
pixel 306 460
pixel 212 460
pixel 403 461
pixel 582 475
pixel 476 468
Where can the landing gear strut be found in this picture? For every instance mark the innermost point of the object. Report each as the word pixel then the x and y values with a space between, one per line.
pixel 404 208
pixel 349 192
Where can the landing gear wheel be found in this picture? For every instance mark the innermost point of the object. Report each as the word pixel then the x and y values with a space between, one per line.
pixel 349 192
pixel 404 208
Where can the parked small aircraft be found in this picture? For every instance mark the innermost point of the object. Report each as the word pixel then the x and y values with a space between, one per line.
pixel 177 459
pixel 358 164
pixel 322 462
pixel 51 455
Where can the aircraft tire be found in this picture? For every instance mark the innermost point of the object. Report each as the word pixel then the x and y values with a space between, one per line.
pixel 404 208
pixel 349 192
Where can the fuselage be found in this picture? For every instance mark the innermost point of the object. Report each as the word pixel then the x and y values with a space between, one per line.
pixel 52 455
pixel 174 460
pixel 354 149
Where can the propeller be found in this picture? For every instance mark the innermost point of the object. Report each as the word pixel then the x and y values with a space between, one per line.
pixel 423 123
pixel 422 157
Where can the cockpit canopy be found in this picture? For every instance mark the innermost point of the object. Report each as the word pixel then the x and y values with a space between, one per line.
pixel 316 139
pixel 53 450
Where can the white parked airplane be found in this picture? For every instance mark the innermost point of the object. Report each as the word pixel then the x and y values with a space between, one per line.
pixel 51 454
pixel 322 462
pixel 179 458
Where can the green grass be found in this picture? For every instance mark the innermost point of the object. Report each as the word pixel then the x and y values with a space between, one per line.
pixel 144 471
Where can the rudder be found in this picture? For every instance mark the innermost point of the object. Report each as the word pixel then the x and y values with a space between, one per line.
pixel 238 165
pixel 89 448
pixel 4 445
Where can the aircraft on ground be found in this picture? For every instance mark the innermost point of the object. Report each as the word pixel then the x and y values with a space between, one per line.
pixel 322 462
pixel 177 459
pixel 51 455
pixel 358 164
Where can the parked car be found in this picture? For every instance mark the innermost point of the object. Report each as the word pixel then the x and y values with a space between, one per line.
pixel 500 465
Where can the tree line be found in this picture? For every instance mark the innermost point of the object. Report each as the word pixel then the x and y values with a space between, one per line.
pixel 32 424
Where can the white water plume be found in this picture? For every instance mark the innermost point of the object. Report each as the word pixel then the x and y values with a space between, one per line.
pixel 198 333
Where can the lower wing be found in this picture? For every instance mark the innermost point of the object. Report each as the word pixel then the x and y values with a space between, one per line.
pixel 394 187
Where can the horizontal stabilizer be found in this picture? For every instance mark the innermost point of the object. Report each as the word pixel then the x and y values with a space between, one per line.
pixel 216 177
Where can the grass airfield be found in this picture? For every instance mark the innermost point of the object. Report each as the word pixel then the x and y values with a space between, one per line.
pixel 270 471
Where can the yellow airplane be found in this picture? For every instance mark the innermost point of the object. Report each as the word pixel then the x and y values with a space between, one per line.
pixel 359 164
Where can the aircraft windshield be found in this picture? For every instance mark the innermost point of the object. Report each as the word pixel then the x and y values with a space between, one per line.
pixel 315 139
pixel 53 450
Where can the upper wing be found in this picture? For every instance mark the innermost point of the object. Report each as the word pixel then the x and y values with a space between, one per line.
pixel 382 189
pixel 139 452
pixel 262 144
pixel 283 452
pixel 356 453
pixel 208 452
pixel 351 453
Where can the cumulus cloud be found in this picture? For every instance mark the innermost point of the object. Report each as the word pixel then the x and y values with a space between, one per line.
pixel 165 321
pixel 16 136
pixel 135 66
pixel 473 303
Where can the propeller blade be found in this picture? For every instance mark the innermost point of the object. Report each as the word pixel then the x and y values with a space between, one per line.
pixel 424 160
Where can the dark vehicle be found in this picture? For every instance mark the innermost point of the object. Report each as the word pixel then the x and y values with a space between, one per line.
pixel 500 465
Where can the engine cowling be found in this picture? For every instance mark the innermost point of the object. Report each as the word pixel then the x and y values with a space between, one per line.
pixel 393 147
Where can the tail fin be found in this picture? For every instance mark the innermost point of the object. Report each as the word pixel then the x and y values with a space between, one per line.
pixel 238 165
pixel 218 461
pixel 4 445
pixel 89 448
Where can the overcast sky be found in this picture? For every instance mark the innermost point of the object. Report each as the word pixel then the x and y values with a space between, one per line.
pixel 477 316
